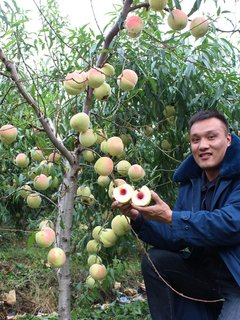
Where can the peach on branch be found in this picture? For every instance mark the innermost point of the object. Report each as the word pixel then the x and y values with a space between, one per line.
pixel 127 80
pixel 104 166
pixel 136 172
pixel 115 146
pixel 95 77
pixel 96 233
pixel 199 27
pixel 103 181
pixel 93 246
pixel 8 133
pixel 157 5
pixel 98 271
pixel 87 138
pixel 177 19
pixel 107 237
pixel 104 147
pixel 46 223
pixel 34 200
pixel 25 190
pixel 83 192
pixel 90 282
pixel 113 184
pixel 45 237
pixel 133 26
pixel 142 197
pixel 123 167
pixel 93 258
pixel 75 82
pixel 123 193
pixel 148 130
pixel 41 182
pixel 80 122
pixel 169 111
pixel 126 138
pixel 22 160
pixel 54 183
pixel 88 155
pixel 101 136
pixel 37 154
pixel 56 258
pixel 166 145
pixel 121 225
pixel 54 157
pixel 108 70
pixel 103 92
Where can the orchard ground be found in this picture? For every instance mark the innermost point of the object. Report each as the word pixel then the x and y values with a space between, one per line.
pixel 24 269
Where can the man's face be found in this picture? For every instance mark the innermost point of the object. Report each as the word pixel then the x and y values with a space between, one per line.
pixel 209 141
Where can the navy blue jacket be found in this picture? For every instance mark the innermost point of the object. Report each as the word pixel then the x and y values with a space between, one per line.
pixel 191 226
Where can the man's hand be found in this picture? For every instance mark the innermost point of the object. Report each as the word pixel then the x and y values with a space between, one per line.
pixel 160 211
pixel 126 209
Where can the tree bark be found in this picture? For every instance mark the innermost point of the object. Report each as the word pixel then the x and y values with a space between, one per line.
pixel 63 236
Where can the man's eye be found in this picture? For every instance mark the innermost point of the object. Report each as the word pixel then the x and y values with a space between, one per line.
pixel 211 137
pixel 194 140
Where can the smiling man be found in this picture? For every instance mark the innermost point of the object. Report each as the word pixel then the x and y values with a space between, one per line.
pixel 192 270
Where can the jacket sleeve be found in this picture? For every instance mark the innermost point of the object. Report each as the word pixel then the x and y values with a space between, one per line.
pixel 220 227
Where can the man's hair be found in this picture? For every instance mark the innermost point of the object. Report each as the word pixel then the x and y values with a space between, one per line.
pixel 207 114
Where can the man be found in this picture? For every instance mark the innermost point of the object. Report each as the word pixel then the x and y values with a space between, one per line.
pixel 192 270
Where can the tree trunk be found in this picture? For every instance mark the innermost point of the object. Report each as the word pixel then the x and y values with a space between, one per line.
pixel 63 232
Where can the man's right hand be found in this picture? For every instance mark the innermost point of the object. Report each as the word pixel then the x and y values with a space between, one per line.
pixel 126 209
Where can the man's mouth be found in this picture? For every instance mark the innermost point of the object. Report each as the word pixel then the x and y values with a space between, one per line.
pixel 205 156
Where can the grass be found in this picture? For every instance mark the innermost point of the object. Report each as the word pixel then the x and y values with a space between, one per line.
pixel 24 269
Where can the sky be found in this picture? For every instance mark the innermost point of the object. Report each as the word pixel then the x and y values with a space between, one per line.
pixel 80 11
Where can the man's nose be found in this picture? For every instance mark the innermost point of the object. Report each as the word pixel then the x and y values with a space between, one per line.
pixel 203 144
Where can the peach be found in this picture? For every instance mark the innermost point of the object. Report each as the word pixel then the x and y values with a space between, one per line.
pixel 75 82
pixel 113 184
pixel 93 258
pixel 54 157
pixel 107 237
pixel 199 27
pixel 83 192
pixel 166 145
pixel 54 183
pixel 169 111
pixel 101 136
pixel 80 122
pixel 104 147
pixel 148 130
pixel 103 181
pixel 45 237
pixel 98 271
pixel 34 200
pixel 127 80
pixel 22 160
pixel 133 25
pixel 96 233
pixel 46 223
pixel 8 133
pixel 88 155
pixel 136 172
pixel 141 197
pixel 25 190
pixel 121 225
pixel 56 258
pixel 123 167
pixel 95 77
pixel 126 138
pixel 108 70
pixel 104 166
pixel 87 138
pixel 37 154
pixel 177 19
pixel 90 282
pixel 123 193
pixel 103 92
pixel 157 5
pixel 41 182
pixel 115 146
pixel 93 246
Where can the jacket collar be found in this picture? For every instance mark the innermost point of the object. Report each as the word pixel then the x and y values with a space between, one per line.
pixel 230 165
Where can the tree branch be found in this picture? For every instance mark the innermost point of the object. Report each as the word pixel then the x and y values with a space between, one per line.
pixel 57 142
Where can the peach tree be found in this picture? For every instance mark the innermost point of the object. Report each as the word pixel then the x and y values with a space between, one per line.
pixel 82 114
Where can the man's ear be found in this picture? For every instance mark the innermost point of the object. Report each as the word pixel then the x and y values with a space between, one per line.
pixel 229 139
